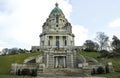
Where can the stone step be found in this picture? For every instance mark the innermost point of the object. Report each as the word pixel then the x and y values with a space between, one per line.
pixel 62 72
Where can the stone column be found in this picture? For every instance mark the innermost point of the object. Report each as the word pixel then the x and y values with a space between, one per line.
pixel 56 62
pixel 64 61
pixel 47 64
pixel 54 40
pixel 46 41
pixel 68 41
pixel 72 60
pixel 73 41
pixel 61 41
pixel 51 41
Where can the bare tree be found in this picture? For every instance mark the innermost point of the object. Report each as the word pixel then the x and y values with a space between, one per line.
pixel 102 40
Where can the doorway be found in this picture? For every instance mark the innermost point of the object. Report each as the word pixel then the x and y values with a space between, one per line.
pixel 60 62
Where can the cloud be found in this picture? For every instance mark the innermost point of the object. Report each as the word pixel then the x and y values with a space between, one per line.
pixel 81 34
pixel 21 20
pixel 115 23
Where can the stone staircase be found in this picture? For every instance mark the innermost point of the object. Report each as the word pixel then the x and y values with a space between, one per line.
pixel 63 72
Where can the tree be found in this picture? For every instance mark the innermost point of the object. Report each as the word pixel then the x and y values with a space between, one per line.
pixel 116 44
pixel 5 51
pixel 96 46
pixel 13 51
pixel 21 51
pixel 102 40
pixel 90 45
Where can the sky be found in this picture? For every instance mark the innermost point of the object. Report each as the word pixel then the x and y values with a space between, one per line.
pixel 21 20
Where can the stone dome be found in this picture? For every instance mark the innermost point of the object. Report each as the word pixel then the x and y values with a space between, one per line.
pixel 56 9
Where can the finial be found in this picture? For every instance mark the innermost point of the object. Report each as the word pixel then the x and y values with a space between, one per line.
pixel 56 4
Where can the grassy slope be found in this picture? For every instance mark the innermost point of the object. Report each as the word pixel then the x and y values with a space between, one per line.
pixel 115 61
pixel 6 61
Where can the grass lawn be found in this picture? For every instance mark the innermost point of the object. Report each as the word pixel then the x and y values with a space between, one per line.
pixel 13 76
pixel 6 61
pixel 110 75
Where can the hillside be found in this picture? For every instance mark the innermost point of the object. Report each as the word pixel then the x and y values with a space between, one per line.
pixel 6 61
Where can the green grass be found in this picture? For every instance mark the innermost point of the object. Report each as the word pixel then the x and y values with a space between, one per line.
pixel 115 62
pixel 6 61
pixel 110 75
pixel 90 54
pixel 13 76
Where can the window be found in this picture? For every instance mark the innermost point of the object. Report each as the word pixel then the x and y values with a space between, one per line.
pixel 56 25
pixel 65 40
pixel 57 19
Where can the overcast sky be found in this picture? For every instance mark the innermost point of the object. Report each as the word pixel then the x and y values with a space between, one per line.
pixel 21 20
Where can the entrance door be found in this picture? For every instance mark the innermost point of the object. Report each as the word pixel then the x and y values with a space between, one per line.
pixel 60 61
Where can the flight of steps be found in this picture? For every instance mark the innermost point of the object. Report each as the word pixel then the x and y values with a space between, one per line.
pixel 61 72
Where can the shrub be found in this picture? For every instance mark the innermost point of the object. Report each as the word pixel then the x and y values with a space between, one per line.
pixel 93 72
pixel 25 72
pixel 100 70
pixel 107 69
pixel 34 72
pixel 90 50
pixel 104 53
pixel 19 73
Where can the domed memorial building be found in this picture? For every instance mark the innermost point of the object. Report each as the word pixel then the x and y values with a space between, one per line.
pixel 59 57
pixel 57 32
